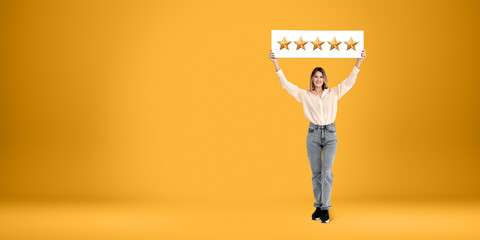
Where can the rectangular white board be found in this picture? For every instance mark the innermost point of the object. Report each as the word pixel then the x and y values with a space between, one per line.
pixel 310 36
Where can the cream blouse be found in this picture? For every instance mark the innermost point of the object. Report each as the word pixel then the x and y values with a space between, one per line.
pixel 319 110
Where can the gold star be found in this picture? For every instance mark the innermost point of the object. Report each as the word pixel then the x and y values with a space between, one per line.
pixel 351 44
pixel 284 43
pixel 300 43
pixel 317 44
pixel 334 44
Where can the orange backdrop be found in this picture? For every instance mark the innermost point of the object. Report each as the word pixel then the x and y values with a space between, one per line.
pixel 178 100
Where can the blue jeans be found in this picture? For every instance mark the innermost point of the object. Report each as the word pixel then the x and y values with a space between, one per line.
pixel 322 139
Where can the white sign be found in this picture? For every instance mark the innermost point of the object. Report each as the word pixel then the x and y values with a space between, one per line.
pixel 317 44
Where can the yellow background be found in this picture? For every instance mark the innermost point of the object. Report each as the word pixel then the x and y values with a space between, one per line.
pixel 177 101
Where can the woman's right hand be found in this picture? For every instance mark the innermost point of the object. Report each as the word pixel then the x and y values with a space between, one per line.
pixel 272 56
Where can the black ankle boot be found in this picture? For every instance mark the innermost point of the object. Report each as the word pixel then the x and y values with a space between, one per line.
pixel 316 214
pixel 324 216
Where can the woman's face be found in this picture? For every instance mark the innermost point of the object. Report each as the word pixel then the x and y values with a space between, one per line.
pixel 318 79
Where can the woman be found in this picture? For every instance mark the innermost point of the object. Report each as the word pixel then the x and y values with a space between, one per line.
pixel 320 108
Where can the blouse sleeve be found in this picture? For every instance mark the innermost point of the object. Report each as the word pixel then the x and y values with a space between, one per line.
pixel 346 85
pixel 291 88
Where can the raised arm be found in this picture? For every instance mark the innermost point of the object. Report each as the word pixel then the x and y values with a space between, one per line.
pixel 291 88
pixel 347 84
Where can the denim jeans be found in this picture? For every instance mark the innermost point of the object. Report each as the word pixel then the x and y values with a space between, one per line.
pixel 321 148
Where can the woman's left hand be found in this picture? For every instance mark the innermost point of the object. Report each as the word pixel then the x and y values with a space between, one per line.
pixel 363 55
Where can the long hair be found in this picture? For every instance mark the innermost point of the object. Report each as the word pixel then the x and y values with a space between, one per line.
pixel 325 82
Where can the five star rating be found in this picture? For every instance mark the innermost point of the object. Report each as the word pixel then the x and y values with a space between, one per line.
pixel 317 44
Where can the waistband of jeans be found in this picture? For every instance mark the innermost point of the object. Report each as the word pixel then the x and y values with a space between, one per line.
pixel 316 126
